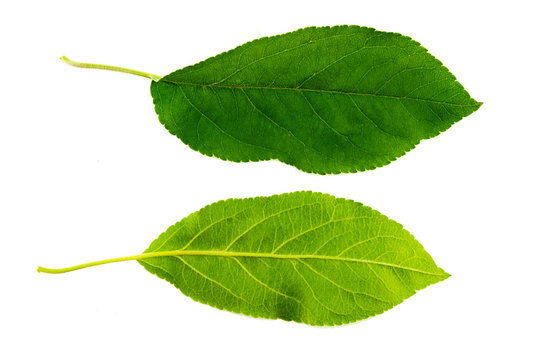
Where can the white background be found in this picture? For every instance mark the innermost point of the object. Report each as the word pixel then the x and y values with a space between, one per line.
pixel 88 172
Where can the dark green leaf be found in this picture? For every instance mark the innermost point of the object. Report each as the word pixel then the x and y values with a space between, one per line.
pixel 326 100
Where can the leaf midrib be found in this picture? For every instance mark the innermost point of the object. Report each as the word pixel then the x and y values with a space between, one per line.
pixel 235 254
pixel 181 83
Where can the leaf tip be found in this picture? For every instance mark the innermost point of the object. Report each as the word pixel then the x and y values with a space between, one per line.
pixel 444 275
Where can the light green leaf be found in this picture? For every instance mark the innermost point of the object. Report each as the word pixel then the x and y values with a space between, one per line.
pixel 326 100
pixel 303 256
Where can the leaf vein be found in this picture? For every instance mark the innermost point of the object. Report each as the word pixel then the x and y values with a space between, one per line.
pixel 215 282
pixel 316 228
pixel 265 219
pixel 341 92
pixel 256 279
pixel 313 293
pixel 322 276
pixel 334 129
pixel 219 128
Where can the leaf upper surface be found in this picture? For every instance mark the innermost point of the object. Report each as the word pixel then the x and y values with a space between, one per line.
pixel 325 100
pixel 306 257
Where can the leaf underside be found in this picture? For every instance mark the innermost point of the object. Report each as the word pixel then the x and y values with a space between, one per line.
pixel 303 256
pixel 325 100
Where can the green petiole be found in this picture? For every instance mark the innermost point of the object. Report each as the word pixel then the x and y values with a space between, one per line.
pixel 110 68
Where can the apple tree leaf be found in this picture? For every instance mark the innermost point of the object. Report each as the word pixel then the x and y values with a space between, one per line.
pixel 324 99
pixel 303 256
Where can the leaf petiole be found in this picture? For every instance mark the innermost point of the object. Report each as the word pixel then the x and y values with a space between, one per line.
pixel 110 68
pixel 99 262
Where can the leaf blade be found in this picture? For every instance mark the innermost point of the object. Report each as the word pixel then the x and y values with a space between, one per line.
pixel 306 257
pixel 326 100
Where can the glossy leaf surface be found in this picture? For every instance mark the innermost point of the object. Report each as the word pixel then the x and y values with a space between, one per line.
pixel 306 257
pixel 325 100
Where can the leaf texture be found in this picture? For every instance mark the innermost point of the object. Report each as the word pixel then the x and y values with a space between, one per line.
pixel 303 256
pixel 323 99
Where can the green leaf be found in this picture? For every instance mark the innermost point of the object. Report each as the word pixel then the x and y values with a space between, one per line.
pixel 303 256
pixel 326 100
